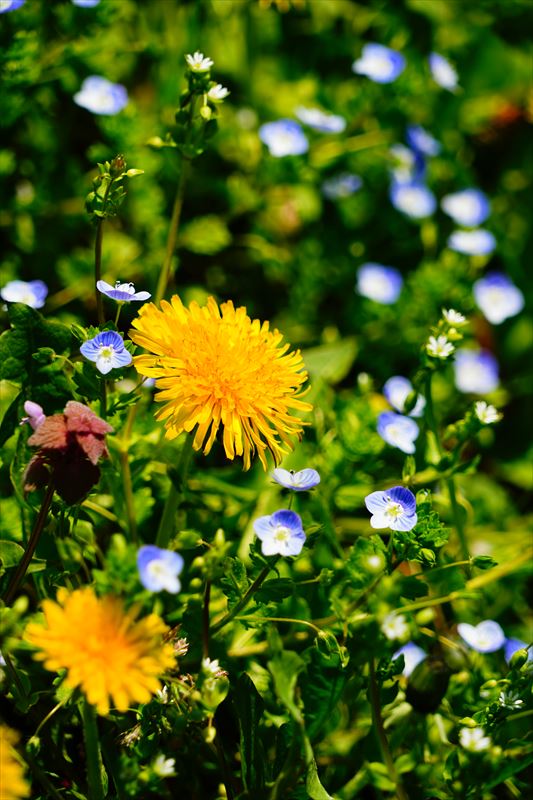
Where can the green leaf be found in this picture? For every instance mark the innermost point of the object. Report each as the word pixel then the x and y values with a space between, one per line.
pixel 379 776
pixel 10 420
pixel 285 668
pixel 234 581
pixel 315 790
pixel 331 362
pixel 249 707
pixel 10 553
pixel 274 590
pixel 322 687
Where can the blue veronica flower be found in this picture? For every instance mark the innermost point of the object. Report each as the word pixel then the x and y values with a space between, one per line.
pixel 343 185
pixel 379 283
pixel 498 297
pixel 30 293
pixel 10 5
pixel 421 141
pixel 107 351
pixel 398 431
pixel 476 371
pixel 394 508
pixel 159 569
pixel 486 637
pixel 412 654
pixel 512 645
pixel 413 199
pixel 472 243
pixel 320 120
pixel 409 166
pixel 281 533
pixel 397 389
pixel 121 292
pixel 469 207
pixel 85 3
pixel 100 96
pixel 442 71
pixel 284 138
pixel 300 481
pixel 379 63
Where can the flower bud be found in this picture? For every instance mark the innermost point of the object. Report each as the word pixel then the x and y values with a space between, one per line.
pixel 205 112
pixel 428 684
pixel 117 166
pixel 468 722
pixel 518 659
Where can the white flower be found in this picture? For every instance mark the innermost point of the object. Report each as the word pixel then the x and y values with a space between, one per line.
pixel 395 627
pixel 510 700
pixel 439 347
pixel 164 767
pixel 474 739
pixel 453 317
pixel 486 413
pixel 217 93
pixel 162 695
pixel 198 62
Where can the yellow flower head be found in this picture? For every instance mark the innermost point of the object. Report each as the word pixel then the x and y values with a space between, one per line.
pixel 216 366
pixel 13 786
pixel 113 657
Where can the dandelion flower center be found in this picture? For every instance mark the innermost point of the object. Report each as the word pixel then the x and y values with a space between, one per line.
pixel 215 367
pixel 114 658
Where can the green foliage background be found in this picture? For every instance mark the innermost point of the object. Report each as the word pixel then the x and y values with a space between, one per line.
pixel 259 231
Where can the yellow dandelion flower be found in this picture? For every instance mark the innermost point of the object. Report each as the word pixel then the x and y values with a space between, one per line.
pixel 114 658
pixel 217 367
pixel 13 785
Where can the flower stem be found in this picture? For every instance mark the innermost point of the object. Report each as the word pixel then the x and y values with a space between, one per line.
pixel 32 544
pixel 164 275
pixel 98 257
pixel 128 494
pixel 245 599
pixel 205 619
pixel 92 751
pixel 380 732
pixel 103 398
pixel 450 482
pixel 175 495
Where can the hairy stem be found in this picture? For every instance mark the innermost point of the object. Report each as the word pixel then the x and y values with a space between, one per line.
pixel 175 495
pixel 450 482
pixel 380 732
pixel 92 751
pixel 245 599
pixel 32 544
pixel 164 275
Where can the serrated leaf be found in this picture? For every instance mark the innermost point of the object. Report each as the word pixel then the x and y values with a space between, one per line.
pixel 234 580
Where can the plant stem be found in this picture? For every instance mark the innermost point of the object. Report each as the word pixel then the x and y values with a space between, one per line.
pixel 205 627
pixel 245 599
pixel 175 495
pixel 119 309
pixel 98 257
pixel 32 544
pixel 92 751
pixel 103 398
pixel 450 482
pixel 164 275
pixel 380 731
pixel 128 494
